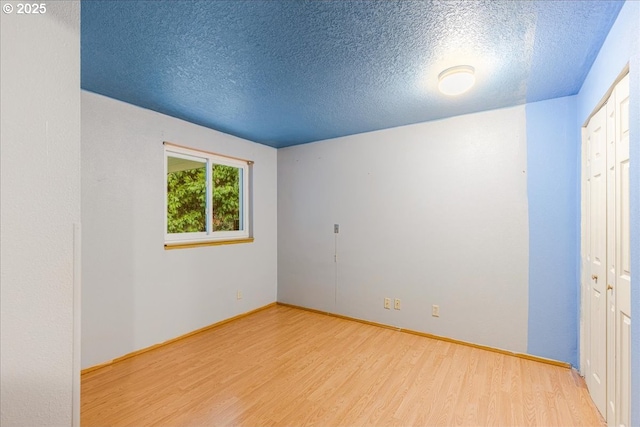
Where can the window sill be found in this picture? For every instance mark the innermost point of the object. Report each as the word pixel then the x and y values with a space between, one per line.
pixel 183 245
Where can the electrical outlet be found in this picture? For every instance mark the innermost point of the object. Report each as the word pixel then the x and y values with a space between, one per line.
pixel 435 310
pixel 397 304
pixel 239 295
pixel 336 228
pixel 387 303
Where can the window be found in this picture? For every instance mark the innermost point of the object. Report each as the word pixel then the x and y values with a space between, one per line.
pixel 206 198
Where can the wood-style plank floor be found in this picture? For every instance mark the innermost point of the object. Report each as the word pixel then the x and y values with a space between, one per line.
pixel 288 367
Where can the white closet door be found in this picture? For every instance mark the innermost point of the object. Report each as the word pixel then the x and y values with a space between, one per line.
pixel 606 247
pixel 622 279
pixel 597 248
pixel 612 111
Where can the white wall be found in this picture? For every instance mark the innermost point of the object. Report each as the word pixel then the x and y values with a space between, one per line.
pixel 40 203
pixel 432 213
pixel 135 293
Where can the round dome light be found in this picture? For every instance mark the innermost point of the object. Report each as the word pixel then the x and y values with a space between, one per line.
pixel 456 80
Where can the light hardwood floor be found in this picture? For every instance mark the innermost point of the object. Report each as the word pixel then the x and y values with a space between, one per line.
pixel 288 367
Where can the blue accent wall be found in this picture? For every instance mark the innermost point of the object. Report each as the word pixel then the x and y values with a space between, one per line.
pixel 552 162
pixel 621 47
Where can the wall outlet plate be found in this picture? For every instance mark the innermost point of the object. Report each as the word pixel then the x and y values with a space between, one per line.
pixel 435 310
pixel 387 303
pixel 397 304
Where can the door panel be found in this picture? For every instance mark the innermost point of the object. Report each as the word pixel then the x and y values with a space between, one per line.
pixel 597 359
pixel 585 296
pixel 611 105
pixel 623 258
pixel 623 358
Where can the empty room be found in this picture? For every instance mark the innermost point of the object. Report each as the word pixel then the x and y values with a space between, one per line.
pixel 332 213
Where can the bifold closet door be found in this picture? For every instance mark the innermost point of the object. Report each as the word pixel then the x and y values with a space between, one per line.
pixel 606 309
pixel 621 286
pixel 597 254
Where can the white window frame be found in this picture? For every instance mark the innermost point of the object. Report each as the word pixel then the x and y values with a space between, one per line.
pixel 209 159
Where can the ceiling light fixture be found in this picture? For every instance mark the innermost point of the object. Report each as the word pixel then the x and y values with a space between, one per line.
pixel 456 80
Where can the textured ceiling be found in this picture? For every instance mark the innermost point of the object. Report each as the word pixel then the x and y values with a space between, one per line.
pixel 289 72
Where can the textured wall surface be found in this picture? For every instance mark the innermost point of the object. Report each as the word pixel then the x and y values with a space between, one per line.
pixel 553 154
pixel 39 205
pixel 135 293
pixel 620 48
pixel 434 213
pixel 283 72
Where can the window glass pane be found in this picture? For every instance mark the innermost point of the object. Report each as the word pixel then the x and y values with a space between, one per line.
pixel 226 198
pixel 186 195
